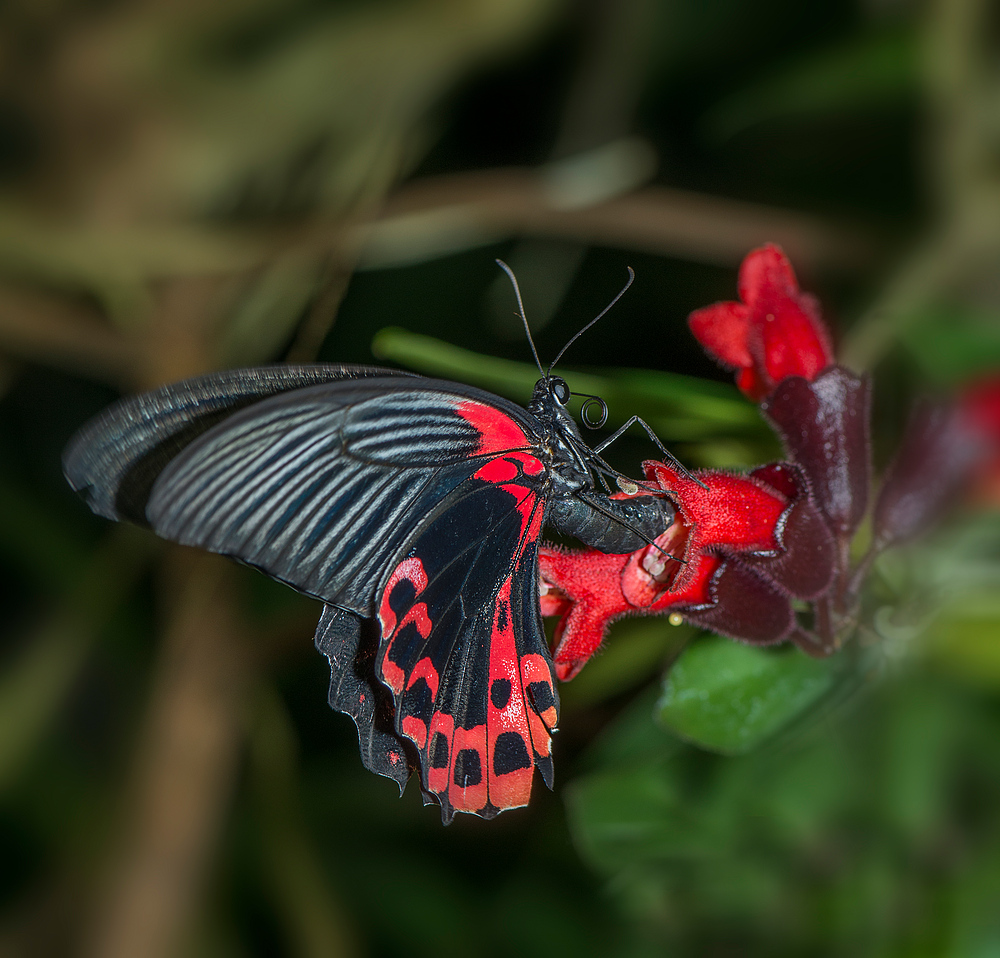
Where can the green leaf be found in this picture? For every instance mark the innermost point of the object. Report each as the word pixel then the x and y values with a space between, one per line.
pixel 634 651
pixel 633 738
pixel 729 697
pixel 678 408
pixel 952 344
pixel 869 71
pixel 630 816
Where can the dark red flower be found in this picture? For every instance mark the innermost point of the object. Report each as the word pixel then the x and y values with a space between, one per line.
pixel 739 548
pixel 824 426
pixel 774 332
pixel 941 447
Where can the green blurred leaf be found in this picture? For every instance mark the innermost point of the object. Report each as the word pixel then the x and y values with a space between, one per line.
pixel 855 821
pixel 632 652
pixel 953 344
pixel 630 816
pixel 633 737
pixel 730 697
pixel 867 71
pixel 678 408
pixel 966 642
pixel 704 398
pixel 271 305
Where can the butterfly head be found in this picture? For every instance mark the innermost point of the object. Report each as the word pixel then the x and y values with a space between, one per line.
pixel 552 393
pixel 550 400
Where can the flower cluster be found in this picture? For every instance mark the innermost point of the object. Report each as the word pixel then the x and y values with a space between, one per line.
pixel 743 548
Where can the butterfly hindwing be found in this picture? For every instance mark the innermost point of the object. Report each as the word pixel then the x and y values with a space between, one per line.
pixel 462 644
pixel 351 643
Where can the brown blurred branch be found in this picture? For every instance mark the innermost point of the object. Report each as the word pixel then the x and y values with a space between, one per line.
pixel 315 923
pixel 45 328
pixel 428 217
pixel 184 768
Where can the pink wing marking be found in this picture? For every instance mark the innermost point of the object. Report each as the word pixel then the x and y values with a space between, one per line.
pixel 411 570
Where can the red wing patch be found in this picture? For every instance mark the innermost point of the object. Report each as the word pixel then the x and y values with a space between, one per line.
pixel 498 433
pixel 510 755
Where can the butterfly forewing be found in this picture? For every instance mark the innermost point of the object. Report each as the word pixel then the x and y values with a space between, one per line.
pixel 116 457
pixel 321 487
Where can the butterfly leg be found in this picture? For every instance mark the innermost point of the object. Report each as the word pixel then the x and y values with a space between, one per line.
pixel 652 435
pixel 350 643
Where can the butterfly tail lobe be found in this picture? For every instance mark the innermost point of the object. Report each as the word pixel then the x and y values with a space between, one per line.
pixel 350 643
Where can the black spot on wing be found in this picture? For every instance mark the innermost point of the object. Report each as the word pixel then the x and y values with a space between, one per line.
pixel 510 753
pixel 541 696
pixel 502 618
pixel 468 768
pixel 407 647
pixel 402 596
pixel 438 751
pixel 500 693
pixel 418 701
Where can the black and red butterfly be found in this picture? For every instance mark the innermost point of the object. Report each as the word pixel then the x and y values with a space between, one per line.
pixel 412 508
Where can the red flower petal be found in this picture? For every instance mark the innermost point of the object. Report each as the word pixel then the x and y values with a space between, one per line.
pixel 583 588
pixel 723 329
pixel 775 332
pixel 725 523
pixel 980 405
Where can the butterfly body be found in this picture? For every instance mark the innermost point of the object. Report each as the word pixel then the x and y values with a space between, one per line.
pixel 412 509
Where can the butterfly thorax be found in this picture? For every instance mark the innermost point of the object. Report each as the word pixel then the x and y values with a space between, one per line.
pixel 559 438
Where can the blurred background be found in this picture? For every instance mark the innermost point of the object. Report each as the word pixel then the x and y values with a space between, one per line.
pixel 186 186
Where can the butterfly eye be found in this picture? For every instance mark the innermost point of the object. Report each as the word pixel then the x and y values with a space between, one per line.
pixel 560 391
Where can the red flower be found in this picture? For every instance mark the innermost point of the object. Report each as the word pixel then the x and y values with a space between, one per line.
pixel 741 547
pixel 775 332
pixel 980 409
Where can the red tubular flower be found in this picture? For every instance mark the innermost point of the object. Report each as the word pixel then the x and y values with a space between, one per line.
pixel 739 548
pixel 774 332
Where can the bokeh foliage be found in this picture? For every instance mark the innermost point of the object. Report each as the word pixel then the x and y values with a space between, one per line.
pixel 185 186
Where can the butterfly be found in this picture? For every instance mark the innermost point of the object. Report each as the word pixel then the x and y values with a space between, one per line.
pixel 412 508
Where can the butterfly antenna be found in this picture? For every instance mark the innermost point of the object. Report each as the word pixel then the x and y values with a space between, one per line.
pixel 520 311
pixel 631 277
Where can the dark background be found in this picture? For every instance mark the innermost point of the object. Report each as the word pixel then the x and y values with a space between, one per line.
pixel 186 186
